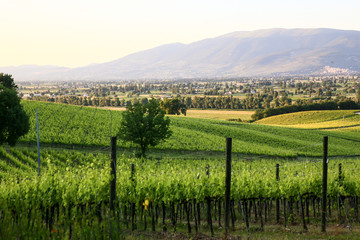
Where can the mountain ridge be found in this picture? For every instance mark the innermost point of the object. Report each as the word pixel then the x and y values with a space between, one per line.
pixel 264 52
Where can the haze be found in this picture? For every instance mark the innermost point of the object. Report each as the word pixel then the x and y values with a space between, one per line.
pixel 82 32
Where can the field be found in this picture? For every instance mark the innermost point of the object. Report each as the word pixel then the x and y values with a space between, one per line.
pixel 233 115
pixel 219 115
pixel 79 126
pixel 181 196
pixel 327 119
pixel 348 129
pixel 179 191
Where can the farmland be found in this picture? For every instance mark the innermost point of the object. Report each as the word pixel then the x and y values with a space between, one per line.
pixel 220 115
pixel 209 94
pixel 327 119
pixel 73 191
pixel 80 126
pixel 229 115
pixel 176 189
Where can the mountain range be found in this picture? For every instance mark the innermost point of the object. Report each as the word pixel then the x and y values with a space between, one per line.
pixel 266 52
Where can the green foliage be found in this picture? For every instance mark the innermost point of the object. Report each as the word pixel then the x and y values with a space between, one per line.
pixel 69 183
pixel 64 124
pixel 144 125
pixel 7 81
pixel 209 135
pixel 77 185
pixel 173 106
pixel 14 121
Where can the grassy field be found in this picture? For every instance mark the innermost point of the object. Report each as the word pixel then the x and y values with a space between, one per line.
pixel 347 129
pixel 219 114
pixel 207 114
pixel 78 126
pixel 176 173
pixel 326 119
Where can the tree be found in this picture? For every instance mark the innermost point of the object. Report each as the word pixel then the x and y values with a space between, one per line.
pixel 173 106
pixel 14 122
pixel 145 125
pixel 7 81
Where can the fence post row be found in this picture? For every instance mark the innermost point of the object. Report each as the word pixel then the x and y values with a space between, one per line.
pixel 228 182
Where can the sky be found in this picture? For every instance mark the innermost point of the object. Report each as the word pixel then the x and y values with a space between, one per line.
pixel 73 33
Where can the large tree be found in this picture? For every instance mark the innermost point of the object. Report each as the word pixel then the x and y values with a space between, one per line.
pixel 145 125
pixel 7 81
pixel 14 122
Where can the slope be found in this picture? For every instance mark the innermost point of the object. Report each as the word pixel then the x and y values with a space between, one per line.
pixel 64 125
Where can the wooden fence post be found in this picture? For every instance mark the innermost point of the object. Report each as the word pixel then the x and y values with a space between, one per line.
pixel 113 174
pixel 228 186
pixel 324 186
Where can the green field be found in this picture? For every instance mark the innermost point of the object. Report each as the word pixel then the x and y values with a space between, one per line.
pixel 326 119
pixel 71 197
pixel 173 188
pixel 348 129
pixel 252 179
pixel 229 115
pixel 219 114
pixel 79 126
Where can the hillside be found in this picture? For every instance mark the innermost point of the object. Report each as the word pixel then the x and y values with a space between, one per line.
pixel 79 126
pixel 262 52
pixel 85 192
pixel 345 120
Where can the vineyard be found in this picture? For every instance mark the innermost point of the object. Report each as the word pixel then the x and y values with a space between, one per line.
pixel 73 192
pixel 276 179
pixel 79 126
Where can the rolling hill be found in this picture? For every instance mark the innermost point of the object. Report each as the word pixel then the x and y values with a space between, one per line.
pixel 345 120
pixel 81 126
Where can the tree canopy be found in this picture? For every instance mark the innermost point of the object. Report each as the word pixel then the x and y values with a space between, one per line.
pixel 14 122
pixel 173 106
pixel 7 81
pixel 145 125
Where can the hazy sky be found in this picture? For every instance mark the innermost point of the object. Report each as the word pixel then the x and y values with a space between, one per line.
pixel 80 32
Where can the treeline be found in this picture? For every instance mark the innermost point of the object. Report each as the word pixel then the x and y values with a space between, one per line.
pixel 266 105
pixel 305 106
pixel 251 101
pixel 89 101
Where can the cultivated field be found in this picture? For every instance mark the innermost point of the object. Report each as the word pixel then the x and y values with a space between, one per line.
pixel 220 114
pixel 79 126
pixel 326 119
pixel 179 191
pixel 229 115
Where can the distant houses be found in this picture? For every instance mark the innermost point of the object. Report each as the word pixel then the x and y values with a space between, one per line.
pixel 31 95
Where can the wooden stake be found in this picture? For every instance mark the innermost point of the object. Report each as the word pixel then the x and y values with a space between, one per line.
pixel 324 187
pixel 228 185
